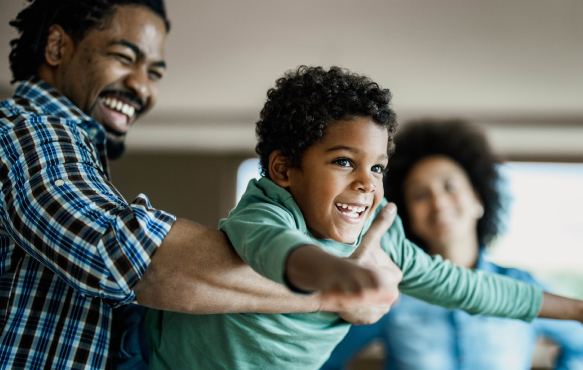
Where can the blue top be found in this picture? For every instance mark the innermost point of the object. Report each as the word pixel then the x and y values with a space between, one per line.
pixel 71 247
pixel 421 336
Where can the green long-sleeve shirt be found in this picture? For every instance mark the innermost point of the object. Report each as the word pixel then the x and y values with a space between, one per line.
pixel 265 226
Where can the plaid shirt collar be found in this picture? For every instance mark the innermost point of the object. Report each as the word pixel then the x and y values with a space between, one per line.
pixel 50 101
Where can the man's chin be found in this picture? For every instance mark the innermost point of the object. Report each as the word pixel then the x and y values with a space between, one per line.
pixel 115 145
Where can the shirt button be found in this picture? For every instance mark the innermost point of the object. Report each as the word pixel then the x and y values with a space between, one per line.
pixel 59 182
pixel 93 132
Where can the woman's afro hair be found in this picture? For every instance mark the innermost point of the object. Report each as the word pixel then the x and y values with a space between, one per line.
pixel 466 145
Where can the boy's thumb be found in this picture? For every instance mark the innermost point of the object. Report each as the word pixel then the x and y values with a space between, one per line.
pixel 382 222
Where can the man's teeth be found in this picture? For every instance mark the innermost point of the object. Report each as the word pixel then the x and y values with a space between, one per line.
pixel 354 211
pixel 119 106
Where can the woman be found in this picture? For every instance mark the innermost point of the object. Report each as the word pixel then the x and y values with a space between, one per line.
pixel 444 179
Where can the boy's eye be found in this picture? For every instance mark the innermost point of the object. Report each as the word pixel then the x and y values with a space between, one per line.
pixel 378 168
pixel 342 162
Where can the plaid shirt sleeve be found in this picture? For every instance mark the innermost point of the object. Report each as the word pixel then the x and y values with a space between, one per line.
pixel 59 206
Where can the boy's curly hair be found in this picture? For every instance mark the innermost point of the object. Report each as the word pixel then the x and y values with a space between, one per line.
pixel 306 100
pixel 467 146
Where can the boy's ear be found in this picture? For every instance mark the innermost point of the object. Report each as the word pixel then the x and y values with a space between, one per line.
pixel 279 168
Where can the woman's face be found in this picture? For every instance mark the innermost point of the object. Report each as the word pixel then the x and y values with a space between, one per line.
pixel 442 204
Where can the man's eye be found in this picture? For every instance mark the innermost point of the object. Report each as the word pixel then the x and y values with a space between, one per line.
pixel 124 58
pixel 155 75
pixel 342 162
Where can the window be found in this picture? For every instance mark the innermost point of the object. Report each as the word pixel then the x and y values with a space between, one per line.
pixel 544 233
pixel 545 224
pixel 249 169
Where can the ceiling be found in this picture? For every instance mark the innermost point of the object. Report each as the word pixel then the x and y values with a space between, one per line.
pixel 499 62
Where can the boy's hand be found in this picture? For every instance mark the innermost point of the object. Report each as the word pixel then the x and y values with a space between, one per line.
pixel 365 314
pixel 562 308
pixel 369 254
pixel 348 286
pixel 361 289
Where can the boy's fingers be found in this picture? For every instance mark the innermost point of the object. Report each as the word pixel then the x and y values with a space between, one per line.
pixel 381 223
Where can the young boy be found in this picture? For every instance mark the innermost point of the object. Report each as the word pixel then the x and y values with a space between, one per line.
pixel 324 142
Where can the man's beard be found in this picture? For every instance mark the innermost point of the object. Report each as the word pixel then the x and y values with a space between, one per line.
pixel 115 145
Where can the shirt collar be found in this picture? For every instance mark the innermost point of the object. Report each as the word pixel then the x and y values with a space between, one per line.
pixel 52 102
pixel 483 263
pixel 49 99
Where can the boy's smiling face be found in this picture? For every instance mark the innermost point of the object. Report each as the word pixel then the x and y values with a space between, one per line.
pixel 340 183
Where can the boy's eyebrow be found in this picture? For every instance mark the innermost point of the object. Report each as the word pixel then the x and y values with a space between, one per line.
pixel 343 147
pixel 139 52
pixel 350 149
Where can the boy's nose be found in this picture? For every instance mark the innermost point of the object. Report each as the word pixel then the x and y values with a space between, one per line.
pixel 365 183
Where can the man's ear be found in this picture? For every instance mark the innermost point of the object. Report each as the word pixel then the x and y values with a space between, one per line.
pixel 279 169
pixel 58 43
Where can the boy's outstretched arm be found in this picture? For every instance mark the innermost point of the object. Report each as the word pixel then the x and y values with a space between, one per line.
pixel 196 271
pixel 557 307
pixel 369 280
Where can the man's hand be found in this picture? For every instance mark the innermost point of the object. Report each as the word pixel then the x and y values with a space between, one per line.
pixel 370 255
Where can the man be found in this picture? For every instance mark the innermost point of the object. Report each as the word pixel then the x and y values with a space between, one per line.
pixel 71 248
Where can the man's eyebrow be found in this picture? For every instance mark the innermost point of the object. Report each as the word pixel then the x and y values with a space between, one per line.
pixel 139 52
pixel 350 149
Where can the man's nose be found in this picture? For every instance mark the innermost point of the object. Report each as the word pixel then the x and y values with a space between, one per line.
pixel 138 82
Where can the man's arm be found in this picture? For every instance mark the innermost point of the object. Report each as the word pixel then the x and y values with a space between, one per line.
pixel 195 270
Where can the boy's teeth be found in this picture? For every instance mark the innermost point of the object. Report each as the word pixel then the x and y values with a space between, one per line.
pixel 351 214
pixel 354 209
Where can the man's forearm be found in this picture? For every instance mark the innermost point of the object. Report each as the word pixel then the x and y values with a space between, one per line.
pixel 196 271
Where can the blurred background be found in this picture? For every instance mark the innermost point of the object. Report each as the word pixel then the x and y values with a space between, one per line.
pixel 514 68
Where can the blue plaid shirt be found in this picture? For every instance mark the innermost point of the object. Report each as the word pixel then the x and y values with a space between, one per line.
pixel 71 247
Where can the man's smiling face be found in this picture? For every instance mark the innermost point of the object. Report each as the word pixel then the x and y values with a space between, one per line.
pixel 113 72
pixel 339 183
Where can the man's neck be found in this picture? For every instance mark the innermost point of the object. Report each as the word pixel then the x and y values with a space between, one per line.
pixel 47 74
